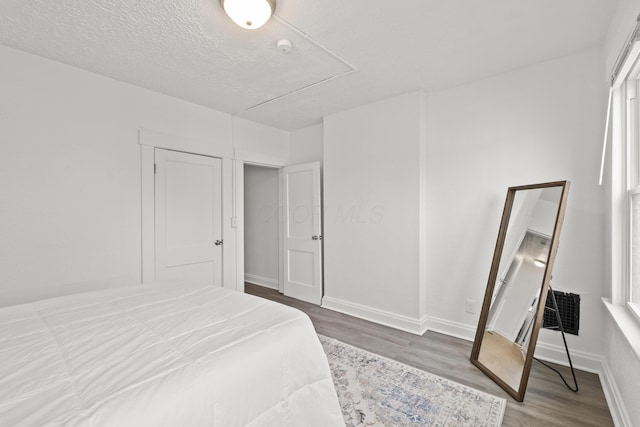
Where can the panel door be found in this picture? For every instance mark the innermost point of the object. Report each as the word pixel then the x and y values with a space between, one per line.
pixel 188 212
pixel 302 237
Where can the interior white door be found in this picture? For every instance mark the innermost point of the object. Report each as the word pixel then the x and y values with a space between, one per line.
pixel 188 211
pixel 302 236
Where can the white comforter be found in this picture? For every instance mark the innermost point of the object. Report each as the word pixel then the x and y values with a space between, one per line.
pixel 162 355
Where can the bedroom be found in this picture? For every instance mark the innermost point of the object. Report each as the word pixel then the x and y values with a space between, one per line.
pixel 72 177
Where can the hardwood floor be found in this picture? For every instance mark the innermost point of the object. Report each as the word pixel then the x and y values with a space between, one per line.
pixel 547 402
pixel 503 357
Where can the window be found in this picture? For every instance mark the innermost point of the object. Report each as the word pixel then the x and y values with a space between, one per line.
pixel 626 180
pixel 634 283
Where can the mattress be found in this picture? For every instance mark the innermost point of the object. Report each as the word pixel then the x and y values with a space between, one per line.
pixel 169 354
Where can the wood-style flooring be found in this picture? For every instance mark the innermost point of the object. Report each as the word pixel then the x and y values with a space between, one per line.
pixel 503 357
pixel 547 402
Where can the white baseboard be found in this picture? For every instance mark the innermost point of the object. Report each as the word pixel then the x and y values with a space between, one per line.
pixel 261 281
pixel 454 329
pixel 614 398
pixel 387 318
pixel 581 360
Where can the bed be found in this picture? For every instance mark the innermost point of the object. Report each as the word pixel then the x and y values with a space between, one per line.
pixel 169 354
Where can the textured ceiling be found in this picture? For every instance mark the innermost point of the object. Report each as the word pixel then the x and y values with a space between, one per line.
pixel 346 52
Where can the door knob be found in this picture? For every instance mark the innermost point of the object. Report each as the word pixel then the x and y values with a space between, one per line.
pixel 218 242
pixel 316 237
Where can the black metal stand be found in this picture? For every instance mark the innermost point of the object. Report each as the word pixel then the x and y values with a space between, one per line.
pixel 555 308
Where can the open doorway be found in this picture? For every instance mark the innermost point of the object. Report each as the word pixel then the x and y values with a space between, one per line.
pixel 282 229
pixel 261 226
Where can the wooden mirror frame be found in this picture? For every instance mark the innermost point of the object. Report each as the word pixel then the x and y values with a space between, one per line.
pixel 493 275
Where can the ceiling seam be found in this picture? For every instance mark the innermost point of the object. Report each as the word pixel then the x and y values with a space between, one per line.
pixel 306 36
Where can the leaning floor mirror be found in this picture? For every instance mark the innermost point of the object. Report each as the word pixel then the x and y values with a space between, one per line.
pixel 518 282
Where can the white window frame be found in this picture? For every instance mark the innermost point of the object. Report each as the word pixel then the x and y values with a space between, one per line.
pixel 625 175
pixel 634 306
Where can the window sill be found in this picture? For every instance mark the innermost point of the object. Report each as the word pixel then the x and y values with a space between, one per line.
pixel 627 323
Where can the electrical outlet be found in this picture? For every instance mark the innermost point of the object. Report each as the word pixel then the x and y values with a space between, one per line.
pixel 470 306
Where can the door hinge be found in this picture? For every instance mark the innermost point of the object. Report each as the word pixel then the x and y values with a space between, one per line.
pixel 155 169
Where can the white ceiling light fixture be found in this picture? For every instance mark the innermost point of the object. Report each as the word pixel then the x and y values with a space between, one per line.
pixel 539 262
pixel 249 14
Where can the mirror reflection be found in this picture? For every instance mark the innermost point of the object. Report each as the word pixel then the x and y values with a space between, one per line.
pixel 509 322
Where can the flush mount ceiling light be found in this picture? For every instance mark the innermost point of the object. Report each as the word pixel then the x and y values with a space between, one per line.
pixel 249 14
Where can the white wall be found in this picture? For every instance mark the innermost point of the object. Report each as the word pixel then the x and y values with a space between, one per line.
pixel 541 123
pixel 622 366
pixel 623 20
pixel 306 145
pixel 373 194
pixel 258 143
pixel 537 124
pixel 261 226
pixel 621 333
pixel 70 179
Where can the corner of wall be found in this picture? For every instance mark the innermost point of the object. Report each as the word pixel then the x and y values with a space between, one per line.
pixel 381 317
pixel 423 243
pixel 613 397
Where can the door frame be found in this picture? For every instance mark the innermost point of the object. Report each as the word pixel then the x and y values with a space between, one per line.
pixel 253 158
pixel 241 228
pixel 233 160
pixel 262 160
pixel 149 141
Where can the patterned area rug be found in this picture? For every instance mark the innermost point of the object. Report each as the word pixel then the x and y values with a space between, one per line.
pixel 375 391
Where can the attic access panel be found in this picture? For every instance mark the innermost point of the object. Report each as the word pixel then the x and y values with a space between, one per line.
pixel 188 49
